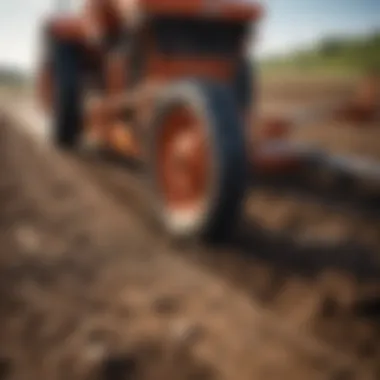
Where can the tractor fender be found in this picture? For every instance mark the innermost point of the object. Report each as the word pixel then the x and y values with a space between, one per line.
pixel 66 28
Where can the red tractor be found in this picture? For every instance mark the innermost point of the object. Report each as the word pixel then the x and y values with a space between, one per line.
pixel 166 82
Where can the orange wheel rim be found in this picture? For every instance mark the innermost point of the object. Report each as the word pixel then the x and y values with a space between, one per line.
pixel 183 161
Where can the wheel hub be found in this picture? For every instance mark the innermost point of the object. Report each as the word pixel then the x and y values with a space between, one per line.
pixel 184 161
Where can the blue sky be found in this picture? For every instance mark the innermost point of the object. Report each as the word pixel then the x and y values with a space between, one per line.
pixel 293 23
pixel 288 24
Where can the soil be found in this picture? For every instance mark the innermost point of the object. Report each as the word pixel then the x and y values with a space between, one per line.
pixel 90 289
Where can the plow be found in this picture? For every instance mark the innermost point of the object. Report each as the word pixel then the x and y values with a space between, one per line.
pixel 170 84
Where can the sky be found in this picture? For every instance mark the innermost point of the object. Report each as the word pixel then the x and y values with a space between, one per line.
pixel 288 24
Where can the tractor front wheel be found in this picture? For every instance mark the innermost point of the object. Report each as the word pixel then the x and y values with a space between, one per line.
pixel 198 163
pixel 67 103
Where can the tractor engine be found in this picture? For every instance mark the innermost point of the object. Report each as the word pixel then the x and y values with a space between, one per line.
pixel 197 37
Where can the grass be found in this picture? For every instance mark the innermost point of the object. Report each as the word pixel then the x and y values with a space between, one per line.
pixel 332 57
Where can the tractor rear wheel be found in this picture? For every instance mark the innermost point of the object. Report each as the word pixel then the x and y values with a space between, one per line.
pixel 197 162
pixel 245 84
pixel 67 102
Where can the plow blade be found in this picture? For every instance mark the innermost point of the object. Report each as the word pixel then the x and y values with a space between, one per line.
pixel 307 171
pixel 357 168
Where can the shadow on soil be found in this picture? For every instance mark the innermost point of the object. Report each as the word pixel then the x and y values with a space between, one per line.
pixel 305 259
pixel 274 259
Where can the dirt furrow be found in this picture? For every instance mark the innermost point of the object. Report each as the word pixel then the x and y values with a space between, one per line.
pixel 301 279
pixel 87 291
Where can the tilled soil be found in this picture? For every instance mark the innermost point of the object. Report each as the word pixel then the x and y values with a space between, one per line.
pixel 90 289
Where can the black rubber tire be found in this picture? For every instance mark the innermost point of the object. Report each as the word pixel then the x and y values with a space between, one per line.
pixel 217 105
pixel 245 85
pixel 67 107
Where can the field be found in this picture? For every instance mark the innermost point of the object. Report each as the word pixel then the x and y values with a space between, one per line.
pixel 90 289
pixel 335 55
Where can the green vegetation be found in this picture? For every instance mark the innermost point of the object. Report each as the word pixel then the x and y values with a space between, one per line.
pixel 13 80
pixel 10 76
pixel 335 55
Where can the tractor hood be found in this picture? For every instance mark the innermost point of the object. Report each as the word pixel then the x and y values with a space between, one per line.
pixel 248 10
